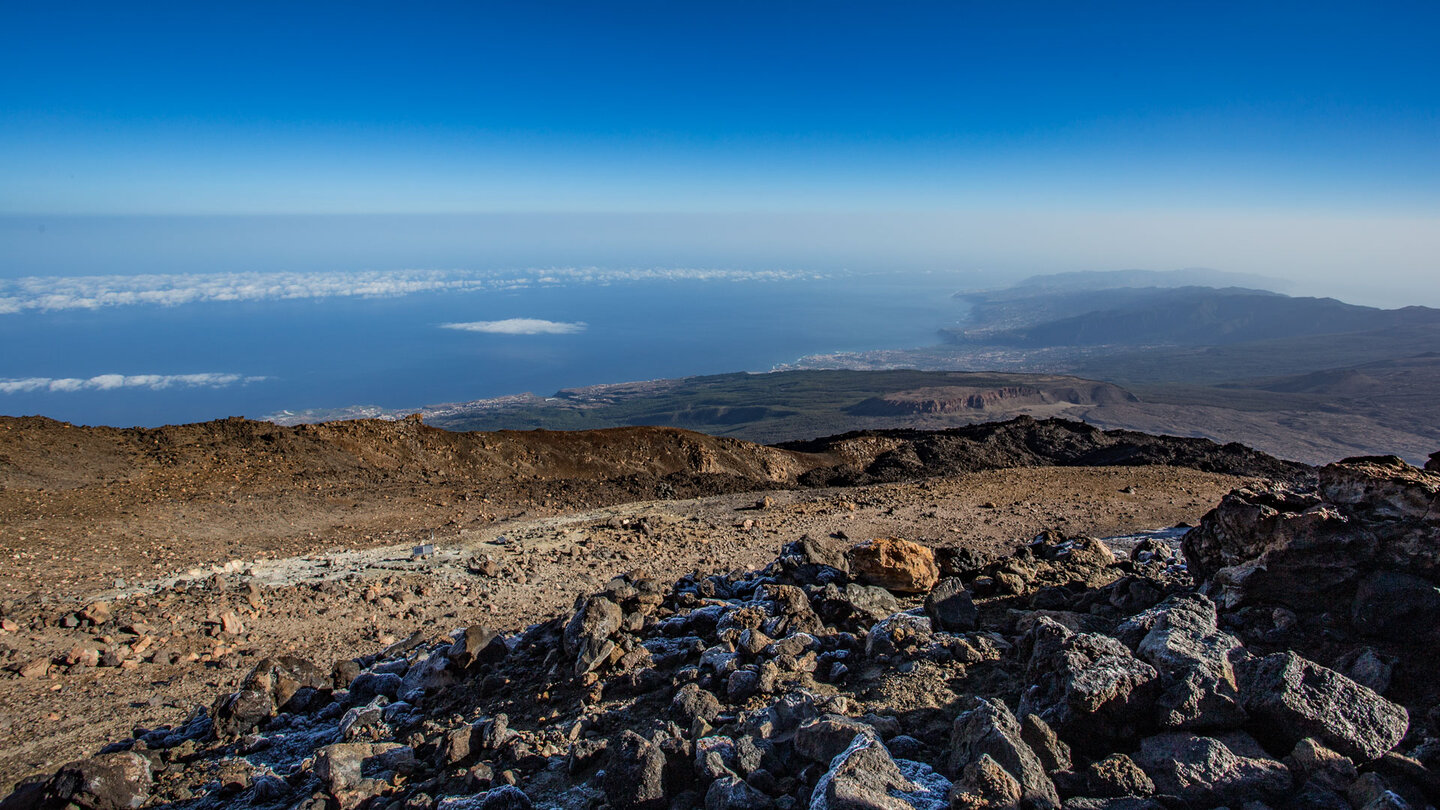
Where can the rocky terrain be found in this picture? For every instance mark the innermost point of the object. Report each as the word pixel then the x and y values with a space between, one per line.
pixel 658 654
pixel 146 570
pixel 1275 655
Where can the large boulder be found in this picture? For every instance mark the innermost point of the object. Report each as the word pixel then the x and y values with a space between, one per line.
pixel 824 738
pixel 1090 688
pixel 117 781
pixel 635 776
pixel 1291 698
pixel 587 635
pixel 1383 487
pixel 989 729
pixel 1309 551
pixel 1276 544
pixel 895 564
pixel 1209 772
pixel 865 777
pixel 1396 605
pixel 1182 640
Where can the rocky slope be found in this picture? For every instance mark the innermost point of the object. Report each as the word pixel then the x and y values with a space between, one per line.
pixel 81 507
pixel 1278 659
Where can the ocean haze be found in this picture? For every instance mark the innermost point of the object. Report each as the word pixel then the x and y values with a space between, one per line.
pixel 1373 259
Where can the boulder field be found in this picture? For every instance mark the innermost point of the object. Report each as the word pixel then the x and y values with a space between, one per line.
pixel 1282 656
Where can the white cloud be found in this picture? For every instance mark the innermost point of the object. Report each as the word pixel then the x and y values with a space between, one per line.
pixel 519 326
pixel 54 293
pixel 112 382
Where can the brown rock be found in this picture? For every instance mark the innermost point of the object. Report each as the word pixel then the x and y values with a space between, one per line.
pixel 96 613
pixel 230 623
pixel 894 564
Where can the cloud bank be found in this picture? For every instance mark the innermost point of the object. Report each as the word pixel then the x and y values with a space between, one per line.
pixel 114 382
pixel 519 326
pixel 56 293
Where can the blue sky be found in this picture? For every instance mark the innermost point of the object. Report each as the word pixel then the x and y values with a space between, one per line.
pixel 466 107
pixel 1292 139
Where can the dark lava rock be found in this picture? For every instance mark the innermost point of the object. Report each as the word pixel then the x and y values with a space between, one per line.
pixel 862 777
pixel 117 781
pixel 1086 686
pixel 505 797
pixel 587 635
pixel 1117 776
pixel 1291 698
pixel 949 604
pixel 635 776
pixel 1183 642
pixel 989 729
pixel 733 793
pixel 1389 603
pixel 1209 772
pixel 479 645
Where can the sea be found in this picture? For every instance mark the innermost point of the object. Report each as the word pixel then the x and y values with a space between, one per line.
pixel 147 350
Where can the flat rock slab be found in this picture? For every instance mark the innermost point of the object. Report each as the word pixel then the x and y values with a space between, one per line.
pixel 1291 698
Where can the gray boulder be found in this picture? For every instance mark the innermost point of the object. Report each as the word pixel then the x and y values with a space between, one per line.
pixel 1052 751
pixel 1117 776
pixel 635 776
pixel 1291 698
pixel 1390 604
pixel 824 738
pixel 1089 688
pixel 950 606
pixel 984 785
pixel 505 797
pixel 117 781
pixel 989 729
pixel 864 777
pixel 1182 640
pixel 897 635
pixel 1207 772
pixel 732 793
pixel 587 635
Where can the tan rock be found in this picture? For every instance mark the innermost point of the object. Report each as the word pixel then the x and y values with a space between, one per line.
pixel 83 656
pixel 96 613
pixel 230 623
pixel 894 564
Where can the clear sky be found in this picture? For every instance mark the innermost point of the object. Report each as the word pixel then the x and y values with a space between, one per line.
pixel 1295 124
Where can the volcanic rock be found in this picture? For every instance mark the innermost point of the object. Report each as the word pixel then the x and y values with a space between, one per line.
pixel 862 777
pixel 1209 771
pixel 1194 659
pixel 1292 698
pixel 117 781
pixel 950 606
pixel 635 777
pixel 894 564
pixel 1086 686
pixel 989 729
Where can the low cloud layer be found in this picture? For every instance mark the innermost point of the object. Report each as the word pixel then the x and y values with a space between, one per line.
pixel 114 382
pixel 56 293
pixel 519 326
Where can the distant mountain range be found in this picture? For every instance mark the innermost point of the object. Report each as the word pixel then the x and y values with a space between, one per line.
pixel 1159 316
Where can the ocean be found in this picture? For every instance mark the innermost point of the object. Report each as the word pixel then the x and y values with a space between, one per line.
pixel 183 348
